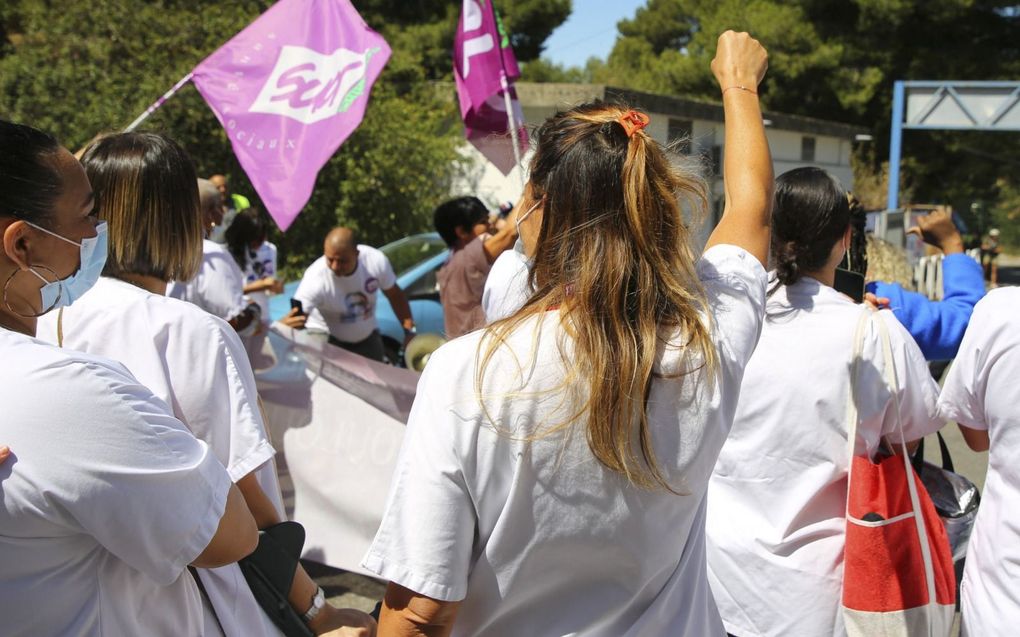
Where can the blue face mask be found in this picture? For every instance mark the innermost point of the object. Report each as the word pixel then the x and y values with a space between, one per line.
pixel 63 292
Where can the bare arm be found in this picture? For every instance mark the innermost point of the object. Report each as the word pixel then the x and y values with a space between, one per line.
pixel 408 614
pixel 236 537
pixel 976 439
pixel 268 284
pixel 741 61
pixel 503 240
pixel 398 301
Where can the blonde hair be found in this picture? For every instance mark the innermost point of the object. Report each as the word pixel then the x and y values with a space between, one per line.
pixel 615 257
pixel 146 191
pixel 888 263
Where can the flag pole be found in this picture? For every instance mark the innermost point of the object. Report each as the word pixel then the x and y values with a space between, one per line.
pixel 513 125
pixel 152 109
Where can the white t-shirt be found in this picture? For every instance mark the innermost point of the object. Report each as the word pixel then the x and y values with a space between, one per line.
pixel 344 306
pixel 194 362
pixel 104 502
pixel 261 263
pixel 777 498
pixel 539 538
pixel 506 288
pixel 982 392
pixel 218 288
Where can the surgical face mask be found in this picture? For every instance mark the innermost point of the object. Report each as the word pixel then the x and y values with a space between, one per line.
pixel 63 292
pixel 521 218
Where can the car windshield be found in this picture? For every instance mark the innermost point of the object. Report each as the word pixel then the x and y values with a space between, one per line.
pixel 408 252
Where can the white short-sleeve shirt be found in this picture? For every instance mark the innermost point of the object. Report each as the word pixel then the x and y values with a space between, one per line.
pixel 982 392
pixel 104 502
pixel 506 288
pixel 196 363
pixel 777 498
pixel 539 538
pixel 344 306
pixel 218 288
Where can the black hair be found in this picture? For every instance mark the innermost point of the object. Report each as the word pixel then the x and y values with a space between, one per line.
pixel 247 226
pixel 810 214
pixel 29 180
pixel 856 259
pixel 146 191
pixel 462 212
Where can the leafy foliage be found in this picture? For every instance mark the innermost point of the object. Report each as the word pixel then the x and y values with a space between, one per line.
pixel 837 60
pixel 79 68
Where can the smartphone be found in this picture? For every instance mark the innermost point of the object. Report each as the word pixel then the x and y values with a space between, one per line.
pixel 296 305
pixel 850 283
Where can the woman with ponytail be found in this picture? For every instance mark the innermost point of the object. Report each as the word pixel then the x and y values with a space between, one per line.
pixel 554 469
pixel 777 497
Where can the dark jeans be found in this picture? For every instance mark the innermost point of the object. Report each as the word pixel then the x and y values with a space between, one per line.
pixel 371 347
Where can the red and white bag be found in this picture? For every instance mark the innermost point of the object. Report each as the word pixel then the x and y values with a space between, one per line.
pixel 898 576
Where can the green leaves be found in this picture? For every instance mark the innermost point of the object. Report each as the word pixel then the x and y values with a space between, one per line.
pixel 76 69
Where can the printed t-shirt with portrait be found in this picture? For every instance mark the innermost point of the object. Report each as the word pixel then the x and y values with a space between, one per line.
pixel 777 498
pixel 539 538
pixel 218 288
pixel 982 392
pixel 261 264
pixel 194 362
pixel 344 306
pixel 106 499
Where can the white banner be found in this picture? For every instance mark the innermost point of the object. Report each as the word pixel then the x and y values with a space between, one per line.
pixel 337 419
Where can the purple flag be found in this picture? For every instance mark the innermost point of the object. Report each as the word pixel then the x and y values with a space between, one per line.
pixel 485 68
pixel 288 90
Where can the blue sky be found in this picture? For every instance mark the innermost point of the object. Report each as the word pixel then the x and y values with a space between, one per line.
pixel 590 30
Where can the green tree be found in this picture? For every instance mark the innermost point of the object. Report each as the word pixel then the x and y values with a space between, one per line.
pixel 76 69
pixel 837 60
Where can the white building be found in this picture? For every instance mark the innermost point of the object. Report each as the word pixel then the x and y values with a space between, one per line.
pixel 795 141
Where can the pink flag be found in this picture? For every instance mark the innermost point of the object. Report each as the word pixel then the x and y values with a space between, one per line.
pixel 484 68
pixel 288 90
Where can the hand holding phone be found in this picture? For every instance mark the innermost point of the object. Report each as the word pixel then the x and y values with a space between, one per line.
pixel 296 304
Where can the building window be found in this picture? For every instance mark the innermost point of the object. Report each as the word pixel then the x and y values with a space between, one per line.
pixel 807 148
pixel 679 135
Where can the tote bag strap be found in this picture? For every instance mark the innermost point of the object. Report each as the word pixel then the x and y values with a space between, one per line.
pixel 892 381
pixel 851 403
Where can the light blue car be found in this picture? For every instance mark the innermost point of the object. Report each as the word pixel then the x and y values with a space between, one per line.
pixel 415 260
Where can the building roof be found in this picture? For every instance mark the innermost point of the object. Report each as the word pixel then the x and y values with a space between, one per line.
pixel 532 94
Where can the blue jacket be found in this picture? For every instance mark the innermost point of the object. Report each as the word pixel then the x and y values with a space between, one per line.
pixel 938 326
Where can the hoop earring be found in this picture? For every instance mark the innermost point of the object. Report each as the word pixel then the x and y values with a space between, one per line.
pixel 7 285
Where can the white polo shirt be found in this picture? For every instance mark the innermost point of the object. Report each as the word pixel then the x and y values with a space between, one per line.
pixel 777 498
pixel 538 538
pixel 982 392
pixel 104 502
pixel 196 363
pixel 344 306
pixel 218 288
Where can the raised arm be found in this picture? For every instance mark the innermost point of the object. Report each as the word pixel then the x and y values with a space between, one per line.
pixel 739 65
